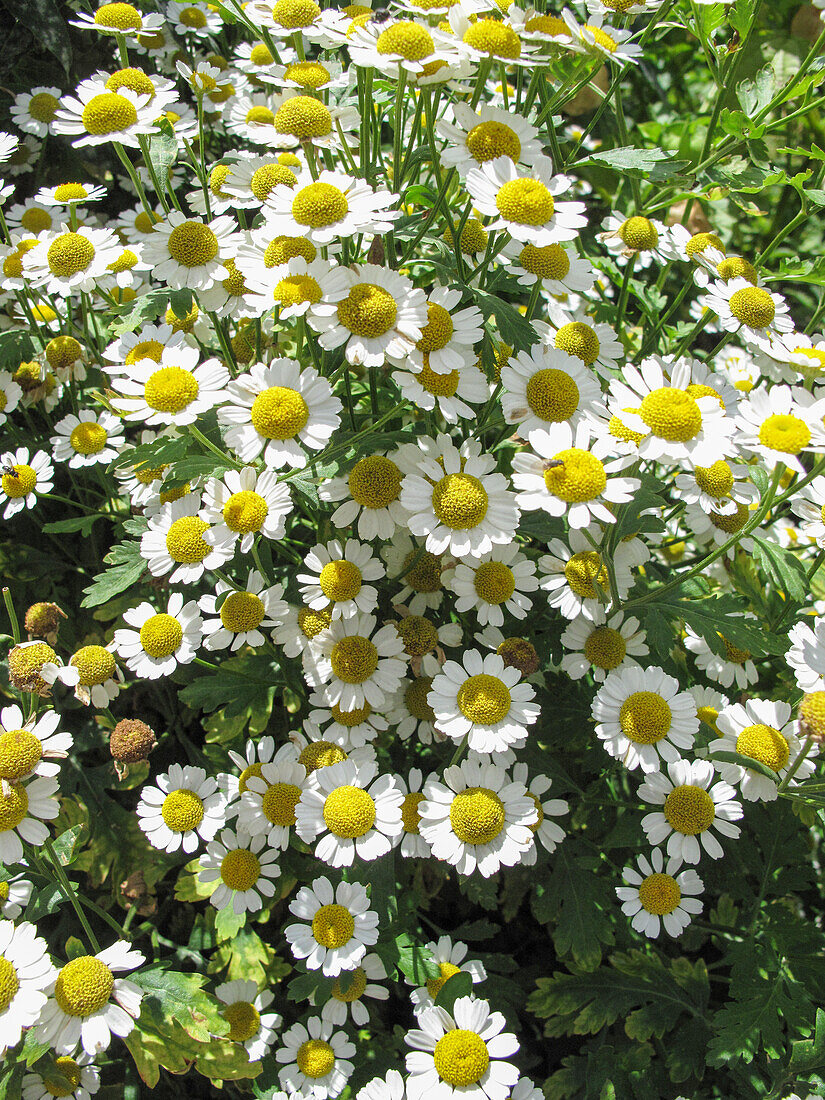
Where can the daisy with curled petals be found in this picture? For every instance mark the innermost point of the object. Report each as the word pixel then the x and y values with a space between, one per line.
pixel 63 1071
pixel 338 926
pixel 23 809
pixel 779 424
pixel 719 487
pixel 486 38
pixel 802 354
pixel 451 957
pixel 328 209
pixel 88 1003
pixel 69 194
pixel 337 578
pixel 244 1011
pixel 565 475
pixel 274 408
pixel 594 343
pixel 477 135
pixel 408 711
pixel 493 583
pixel 732 665
pixel 545 831
pixel 190 252
pixel 244 504
pixel 526 205
pixel 349 990
pixel 250 763
pixel 34 111
pixel 304 120
pixel 692 806
pixel 30 747
pixel 159 641
pixel 174 543
pixel 806 656
pixel 598 645
pixel 92 672
pixel 316 1060
pixel 559 270
pixel 26 971
pixel 70 261
pixel 119 18
pixel 351 663
pixel 300 629
pixel 195 19
pixel 94 115
pixel 374 312
pixel 448 393
pixel 675 425
pixel 412 843
pixel 458 500
pixel 243 873
pixel 23 479
pixel 292 288
pixel 756 314
pixel 420 573
pixel 400 47
pixel 269 798
pixel 643 719
pixel 87 438
pixel 348 728
pixel 596 37
pixel 477 818
pixel 184 808
pixel 370 491
pixel 544 387
pixel 656 895
pixel 251 117
pixel 461 1054
pixel 174 389
pixel 644 240
pixel 353 812
pixel 449 335
pixel 762 730
pixel 243 614
pixel 576 578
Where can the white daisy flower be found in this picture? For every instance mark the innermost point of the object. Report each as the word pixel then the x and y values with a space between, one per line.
pixel 27 971
pixel 544 387
pixel 11 392
pixel 719 487
pixel 420 572
pixel 94 115
pixel 390 1087
pixel 174 389
pixel 644 240
pixel 348 728
pixel 736 666
pixel 353 812
pixel 251 117
pixel 461 1054
pixel 484 701
pixel 190 252
pixel 802 354
pixel 754 312
pixel 526 204
pixel 691 809
pixel 559 270
pixel 23 809
pixel 375 312
pixel 400 47
pixel 448 393
pixel 412 843
pixel 119 18
pixel 477 135
pixel 424 642
pixel 809 505
pixel 64 1071
pixel 269 792
pixel 300 628
pixel 333 207
pixel 806 655
pixel 34 111
pixel 316 1060
pixel 245 1013
pixel 70 261
pixel 69 194
pixel 458 500
pixel 451 957
pixel 762 730
pixel 643 719
pixel 14 897
pixel 94 674
pixel 371 492
pixel 349 990
pixel 251 762
pixel 545 830
pixel 243 504
pixel 159 641
pixel 87 438
pixel 779 424
pixel 184 808
pixel 336 580
pixel 292 289
pixel 595 343
pixel 600 39
pixel 247 183
pixel 493 583
pixel 88 1003
pixel 576 577
pixel 598 645
pixel 23 479
pixel 409 712
pixel 659 896
pixel 243 613
pixel 305 120
pixel 173 543
pixel 242 871
pixel 477 818
pixel 273 408
pixel 448 336
pixel 339 926
pixel 30 747
pixel 486 38
pixel 352 665
pixel 195 19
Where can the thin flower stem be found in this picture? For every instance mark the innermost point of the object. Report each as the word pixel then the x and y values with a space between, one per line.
pixel 15 625
pixel 797 764
pixel 68 891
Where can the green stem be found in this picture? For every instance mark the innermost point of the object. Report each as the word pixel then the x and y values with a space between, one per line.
pixel 68 892
pixel 794 768
pixel 15 625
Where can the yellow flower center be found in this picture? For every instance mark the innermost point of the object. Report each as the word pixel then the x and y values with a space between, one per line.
pixel 477 815
pixel 303 117
pixel 548 24
pixel 21 483
pixel 602 38
pixel 88 438
pixel 484 699
pixel 368 310
pixel 315 1058
pixel 435 985
pixel 489 140
pixel 184 539
pixel 321 754
pixel 734 655
pixel 406 39
pixel 645 718
pixel 580 340
pixel 69 254
pixel 552 395
pixel 193 18
pixel 349 812
pixel 765 744
pixel 461 1058
pixel 108 113
pixel 244 1020
pixel 700 242
pixel 425 574
pixel 418 635
pixel 313 622
pixel 410 817
pixel 354 659
pixel 125 262
pixel 118 17
pixel 715 480
pixel 279 802
pixel 161 635
pixel 294 14
pixel 438 330
pixel 440 385
pixel 144 223
pixel 13 807
pixel 659 894
pixel 35 220
pixel 605 648
pixel 785 433
pixel 460 501
pixel 282 249
pixel 170 389
pixel 242 611
pixel 20 753
pixel 493 38
pixel 356 987
pixel 95 664
pixel 134 79
pixel 268 176
pixel 351 718
pixel 83 986
pixel 260 116
pixel 292 290
pixel 4 893
pixel 63 1077
pixel 639 234
pixel 548 262
pixel 708 715
pixel 584 571
pixel 525 201
pixel 247 774
pixel 260 55
pixel 374 482
pixel 25 663
pixel 333 926
pixel 494 582
pixel 309 74
pixel 752 306
pixel 182 810
pixel 730 522
pixel 737 267
pixel 689 810
pixel 240 869
pixel 279 413
pixel 340 580
pixel 812 714
pixel 70 192
pixel 245 512
pixel 580 477
pixel 671 414
pixel 146 349
pixel 473 237
pixel 234 284
pixel 415 699
pixel 192 244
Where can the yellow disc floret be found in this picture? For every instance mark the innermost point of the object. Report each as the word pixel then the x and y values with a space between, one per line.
pixel 244 1021
pixel 438 330
pixel 63 1077
pixel 245 512
pixel 294 14
pixel 170 389
pixel 435 985
pixel 321 754
pixel 418 635
pixel 279 802
pixel 13 807
pixel 83 986
pixel 69 254
pixel 240 869
pixel 460 501
pixel 95 664
pixel 477 815
pixel 406 39
pixel 161 635
pixel 184 540
pixel 375 482
pixel 354 659
pixel 765 744
pixel 605 648
pixel 303 117
pixel 20 753
pixel 715 480
pixel 484 699
pixel 349 812
pixel 368 311
pixel 645 718
pixel 547 262
pixel 584 572
pixel 671 414
pixel 242 611
pixel 638 234
pixel 689 810
pixel 525 202
pixel 461 1058
pixel 494 582
pixel 182 810
pixel 332 926
pixel 21 482
pixel 580 477
pixel 108 113
pixel 552 395
pixel 752 306
pixel 279 413
pixel 340 580
pixel 192 244
pixel 315 1058
pixel 489 140
pixel 493 38
pixel 579 339
pixel 785 433
pixel 88 438
pixel 659 894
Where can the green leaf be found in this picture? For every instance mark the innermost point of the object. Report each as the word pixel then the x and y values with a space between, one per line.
pixel 576 903
pixel 67 845
pixel 457 985
pixel 111 582
pixel 246 681
pixel 414 961
pixel 163 152
pixel 180 997
pixel 744 761
pixel 228 923
pixel 515 330
pixel 49 25
pixel 655 164
pixel 74 948
pixel 783 567
pixel 755 94
pixel 83 524
pixel 808 1055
